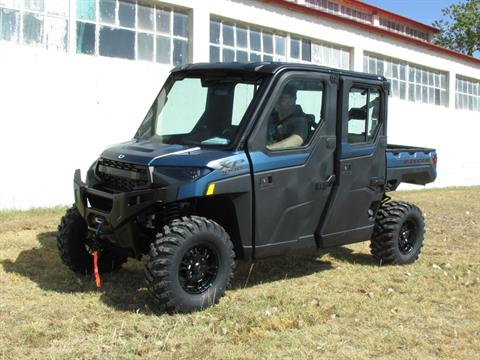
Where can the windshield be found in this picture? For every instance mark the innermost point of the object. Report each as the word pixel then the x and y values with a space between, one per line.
pixel 199 111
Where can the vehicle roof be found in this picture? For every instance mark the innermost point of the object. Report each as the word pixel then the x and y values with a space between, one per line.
pixel 272 68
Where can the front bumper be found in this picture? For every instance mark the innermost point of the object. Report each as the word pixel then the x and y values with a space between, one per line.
pixel 117 210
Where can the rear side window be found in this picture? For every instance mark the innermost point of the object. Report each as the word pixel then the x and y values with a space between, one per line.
pixel 363 114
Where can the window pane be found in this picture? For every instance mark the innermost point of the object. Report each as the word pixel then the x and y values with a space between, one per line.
pixel 86 9
pixel 57 32
pixel 255 41
pixel 425 94
pixel 117 43
pixel 126 13
pixel 242 97
pixel 365 64
pixel 403 90
pixel 180 24
pixel 163 20
pixel 58 7
pixel 242 56
pixel 228 35
pixel 145 17
pixel 443 81
pixel 180 52
pixel 32 29
pixel 214 54
pixel 255 57
pixel 395 71
pixel 267 43
pixel 411 76
pixel 107 11
pixel 403 72
pixel 345 60
pixel 430 79
pixel 215 32
pixel 418 76
pixel 85 38
pixel 306 50
pixel 228 55
pixel 317 54
pixel 373 114
pixel 295 48
pixel 280 45
pixel 267 58
pixel 437 97
pixel 145 46
pixel 163 50
pixel 37 5
pixel 372 66
pixel 380 69
pixel 242 37
pixel 395 90
pixel 9 25
pixel 357 115
pixel 431 96
pixel 411 92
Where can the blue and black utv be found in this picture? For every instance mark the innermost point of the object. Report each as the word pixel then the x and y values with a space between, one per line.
pixel 240 162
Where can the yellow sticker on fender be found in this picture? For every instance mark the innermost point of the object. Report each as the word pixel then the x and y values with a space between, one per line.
pixel 211 189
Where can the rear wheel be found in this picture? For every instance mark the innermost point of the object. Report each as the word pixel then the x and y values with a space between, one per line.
pixel 191 265
pixel 74 245
pixel 399 233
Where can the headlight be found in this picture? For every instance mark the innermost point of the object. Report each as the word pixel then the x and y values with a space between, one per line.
pixel 163 175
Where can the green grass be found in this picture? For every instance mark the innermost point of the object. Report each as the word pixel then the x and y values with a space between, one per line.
pixel 52 211
pixel 335 304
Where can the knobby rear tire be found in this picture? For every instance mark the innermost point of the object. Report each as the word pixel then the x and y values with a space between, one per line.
pixel 399 233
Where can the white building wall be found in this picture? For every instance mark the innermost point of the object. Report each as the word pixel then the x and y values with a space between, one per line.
pixel 58 111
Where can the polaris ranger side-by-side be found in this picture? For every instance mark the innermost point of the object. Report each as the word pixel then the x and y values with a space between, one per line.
pixel 240 162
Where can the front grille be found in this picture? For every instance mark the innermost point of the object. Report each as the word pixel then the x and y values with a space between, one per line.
pixel 121 176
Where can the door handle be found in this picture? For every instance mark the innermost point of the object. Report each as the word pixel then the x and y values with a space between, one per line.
pixel 322 185
pixel 266 180
pixel 377 181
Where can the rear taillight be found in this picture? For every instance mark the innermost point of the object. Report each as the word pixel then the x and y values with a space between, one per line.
pixel 434 158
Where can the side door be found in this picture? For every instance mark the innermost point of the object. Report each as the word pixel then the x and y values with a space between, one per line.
pixel 292 184
pixel 360 165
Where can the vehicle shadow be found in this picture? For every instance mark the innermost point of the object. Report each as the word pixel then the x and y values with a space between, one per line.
pixel 125 290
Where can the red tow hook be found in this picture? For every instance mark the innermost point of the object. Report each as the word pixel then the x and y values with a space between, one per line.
pixel 96 248
pixel 95 269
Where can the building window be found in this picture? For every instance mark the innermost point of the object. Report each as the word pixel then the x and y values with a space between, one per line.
pixel 134 30
pixel 234 42
pixel 408 81
pixel 405 30
pixel 41 23
pixel 238 42
pixel 331 55
pixel 467 94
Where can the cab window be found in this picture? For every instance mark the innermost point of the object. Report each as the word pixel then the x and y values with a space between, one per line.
pixel 363 114
pixel 296 114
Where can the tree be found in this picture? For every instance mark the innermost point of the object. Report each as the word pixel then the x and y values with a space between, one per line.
pixel 461 30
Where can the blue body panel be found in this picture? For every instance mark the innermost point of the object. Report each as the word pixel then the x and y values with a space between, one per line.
pixel 404 158
pixel 348 151
pixel 226 164
pixel 262 162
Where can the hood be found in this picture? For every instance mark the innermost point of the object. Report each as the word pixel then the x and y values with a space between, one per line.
pixel 146 152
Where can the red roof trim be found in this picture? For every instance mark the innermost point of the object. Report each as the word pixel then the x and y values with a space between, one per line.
pixel 318 13
pixel 401 18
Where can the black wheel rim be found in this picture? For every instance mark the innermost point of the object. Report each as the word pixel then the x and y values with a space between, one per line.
pixel 198 269
pixel 408 237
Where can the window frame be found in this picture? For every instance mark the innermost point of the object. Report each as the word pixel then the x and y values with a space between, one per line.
pixel 278 88
pixel 381 113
